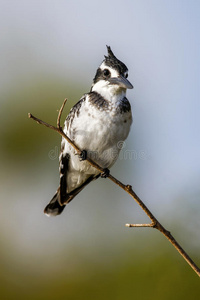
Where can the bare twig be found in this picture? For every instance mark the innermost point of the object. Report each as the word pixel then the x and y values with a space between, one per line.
pixel 139 225
pixel 128 188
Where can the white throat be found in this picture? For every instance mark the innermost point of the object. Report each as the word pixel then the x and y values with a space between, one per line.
pixel 112 93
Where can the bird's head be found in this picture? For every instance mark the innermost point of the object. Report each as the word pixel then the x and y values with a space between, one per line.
pixel 111 76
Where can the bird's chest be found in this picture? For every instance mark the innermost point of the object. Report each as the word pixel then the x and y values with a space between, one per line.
pixel 98 129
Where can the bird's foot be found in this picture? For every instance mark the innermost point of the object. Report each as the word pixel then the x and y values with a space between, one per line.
pixel 83 155
pixel 105 173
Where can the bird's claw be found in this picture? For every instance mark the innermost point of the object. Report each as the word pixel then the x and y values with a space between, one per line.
pixel 83 155
pixel 105 173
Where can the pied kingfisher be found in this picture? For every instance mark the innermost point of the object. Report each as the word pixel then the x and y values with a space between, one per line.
pixel 97 124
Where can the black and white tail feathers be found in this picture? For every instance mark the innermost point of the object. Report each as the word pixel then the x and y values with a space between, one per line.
pixel 54 208
pixel 57 205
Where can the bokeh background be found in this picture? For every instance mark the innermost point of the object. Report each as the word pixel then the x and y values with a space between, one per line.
pixel 50 50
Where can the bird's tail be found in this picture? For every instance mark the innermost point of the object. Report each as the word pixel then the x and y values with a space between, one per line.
pixel 54 208
pixel 59 200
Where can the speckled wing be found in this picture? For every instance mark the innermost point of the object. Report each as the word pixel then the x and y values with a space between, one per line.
pixel 61 197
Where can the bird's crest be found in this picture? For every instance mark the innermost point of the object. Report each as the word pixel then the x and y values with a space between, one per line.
pixel 112 61
pixel 110 53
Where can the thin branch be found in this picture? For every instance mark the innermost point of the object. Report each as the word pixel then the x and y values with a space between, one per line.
pixel 139 225
pixel 60 113
pixel 128 188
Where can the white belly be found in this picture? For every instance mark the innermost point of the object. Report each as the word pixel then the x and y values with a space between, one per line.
pixel 100 133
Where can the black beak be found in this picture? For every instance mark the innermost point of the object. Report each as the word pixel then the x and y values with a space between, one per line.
pixel 121 81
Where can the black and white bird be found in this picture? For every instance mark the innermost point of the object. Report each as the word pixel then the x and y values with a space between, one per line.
pixel 98 123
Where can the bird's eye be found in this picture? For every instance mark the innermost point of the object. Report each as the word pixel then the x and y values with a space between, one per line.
pixel 126 75
pixel 106 72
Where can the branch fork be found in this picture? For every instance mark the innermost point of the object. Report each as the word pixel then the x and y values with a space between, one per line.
pixel 127 188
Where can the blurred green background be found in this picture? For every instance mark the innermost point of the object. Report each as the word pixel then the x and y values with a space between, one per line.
pixel 49 51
